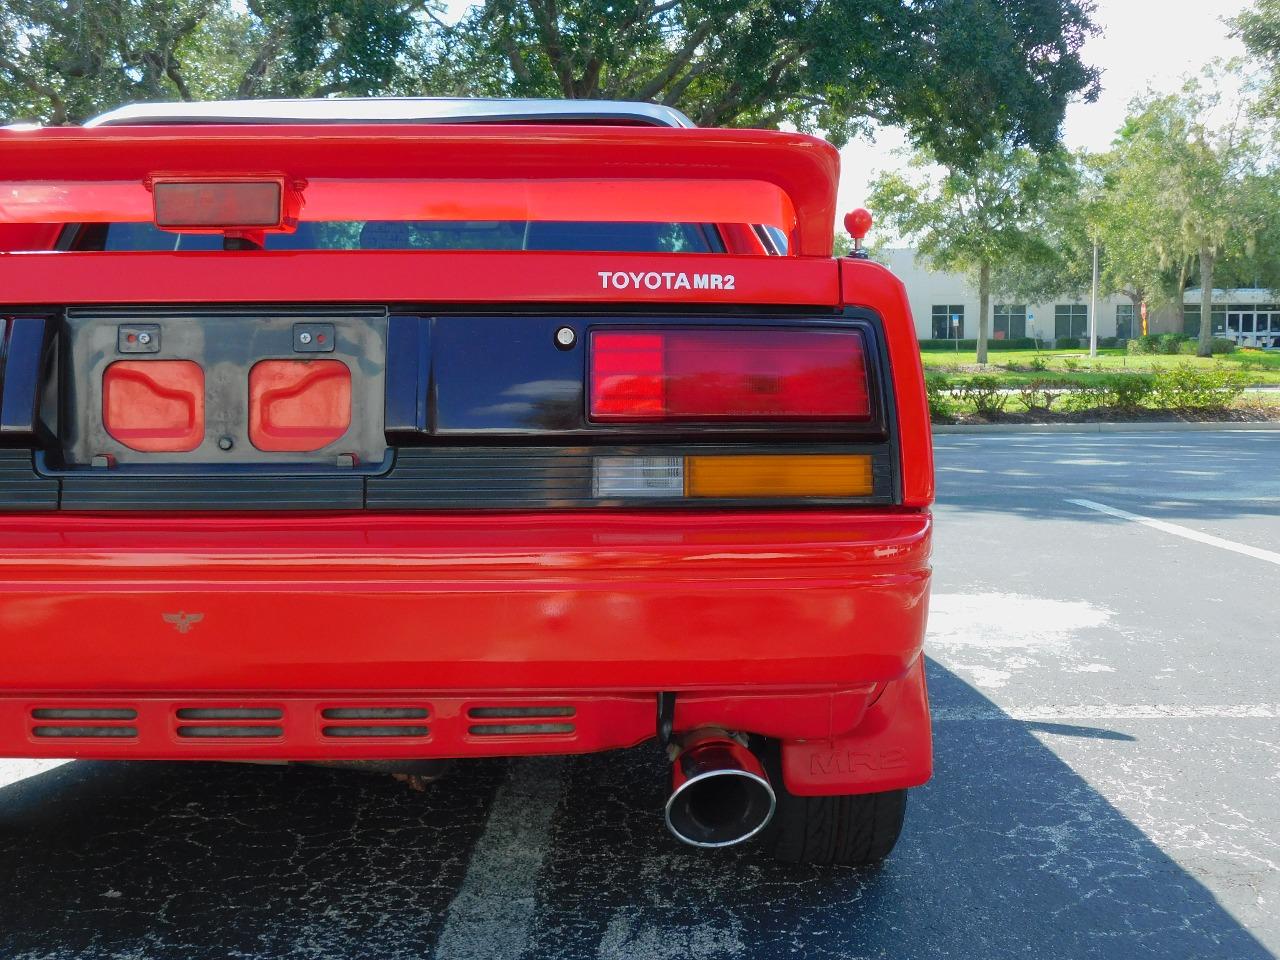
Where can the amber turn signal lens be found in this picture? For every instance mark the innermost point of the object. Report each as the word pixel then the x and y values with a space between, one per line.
pixel 765 475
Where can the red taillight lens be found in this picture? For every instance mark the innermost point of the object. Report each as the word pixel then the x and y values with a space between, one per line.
pixel 729 375
pixel 218 204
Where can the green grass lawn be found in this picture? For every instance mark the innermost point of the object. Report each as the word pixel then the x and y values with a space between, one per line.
pixel 1015 366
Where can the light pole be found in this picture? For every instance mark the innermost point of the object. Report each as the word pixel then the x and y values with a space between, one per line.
pixel 1093 306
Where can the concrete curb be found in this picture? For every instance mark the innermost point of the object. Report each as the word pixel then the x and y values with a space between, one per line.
pixel 1157 427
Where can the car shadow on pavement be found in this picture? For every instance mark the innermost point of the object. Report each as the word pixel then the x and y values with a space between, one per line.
pixel 185 861
pixel 1007 853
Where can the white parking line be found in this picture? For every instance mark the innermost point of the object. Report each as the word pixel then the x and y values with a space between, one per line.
pixel 1123 711
pixel 497 901
pixel 1270 556
pixel 15 771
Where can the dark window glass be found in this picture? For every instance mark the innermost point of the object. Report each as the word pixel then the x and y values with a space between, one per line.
pixel 1071 320
pixel 1010 321
pixel 1191 319
pixel 427 235
pixel 948 321
pixel 1124 320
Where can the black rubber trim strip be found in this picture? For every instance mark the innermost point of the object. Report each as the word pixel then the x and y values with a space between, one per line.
pixel 421 478
pixel 107 491
pixel 21 488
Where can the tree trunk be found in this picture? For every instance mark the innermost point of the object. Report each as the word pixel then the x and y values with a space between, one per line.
pixel 984 308
pixel 1207 257
pixel 1184 268
pixel 1136 296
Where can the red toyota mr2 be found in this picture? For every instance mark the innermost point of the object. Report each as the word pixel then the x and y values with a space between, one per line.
pixel 385 433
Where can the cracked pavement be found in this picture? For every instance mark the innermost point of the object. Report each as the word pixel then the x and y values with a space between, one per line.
pixel 1107 739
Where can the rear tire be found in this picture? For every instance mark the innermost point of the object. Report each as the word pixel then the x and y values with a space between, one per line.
pixel 854 830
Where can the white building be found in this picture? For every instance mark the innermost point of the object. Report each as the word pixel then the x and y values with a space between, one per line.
pixel 945 307
pixel 1249 316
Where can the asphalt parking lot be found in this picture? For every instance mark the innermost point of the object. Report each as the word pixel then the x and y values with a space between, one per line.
pixel 1107 732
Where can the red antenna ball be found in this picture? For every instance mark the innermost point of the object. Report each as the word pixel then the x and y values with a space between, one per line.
pixel 858 223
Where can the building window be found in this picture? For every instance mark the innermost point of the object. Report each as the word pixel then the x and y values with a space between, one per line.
pixel 1071 320
pixel 1011 321
pixel 948 321
pixel 1191 319
pixel 1124 320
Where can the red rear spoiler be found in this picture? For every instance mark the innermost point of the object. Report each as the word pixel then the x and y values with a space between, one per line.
pixel 544 172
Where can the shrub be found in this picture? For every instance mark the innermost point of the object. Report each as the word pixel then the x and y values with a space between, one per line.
pixel 1147 343
pixel 1072 364
pixel 1016 343
pixel 1222 345
pixel 1171 343
pixel 1129 391
pixel 1038 395
pixel 986 395
pixel 937 389
pixel 1185 387
pixel 1086 397
pixel 1039 364
pixel 1218 345
pixel 1067 343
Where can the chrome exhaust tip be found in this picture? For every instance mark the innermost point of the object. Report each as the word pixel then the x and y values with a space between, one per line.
pixel 720 794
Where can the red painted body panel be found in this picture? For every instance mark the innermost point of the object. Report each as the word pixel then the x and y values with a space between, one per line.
pixel 598 601
pixel 867 284
pixel 787 624
pixel 631 200
pixel 391 276
pixel 890 749
pixel 802 167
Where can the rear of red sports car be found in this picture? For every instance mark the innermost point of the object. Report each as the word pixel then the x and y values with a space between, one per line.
pixel 393 444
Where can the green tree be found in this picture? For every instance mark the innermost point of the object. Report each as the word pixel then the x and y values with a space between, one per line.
pixel 984 220
pixel 1100 203
pixel 1190 164
pixel 958 75
pixel 1259 28
pixel 62 61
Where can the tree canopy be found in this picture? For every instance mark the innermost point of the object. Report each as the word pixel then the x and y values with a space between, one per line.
pixel 62 61
pixel 1259 28
pixel 987 220
pixel 958 74
pixel 1190 160
pixel 1190 190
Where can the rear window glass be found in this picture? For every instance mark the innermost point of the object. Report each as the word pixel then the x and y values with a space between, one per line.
pixel 427 235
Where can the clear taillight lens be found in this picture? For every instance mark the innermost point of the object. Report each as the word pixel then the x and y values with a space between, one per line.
pixel 729 375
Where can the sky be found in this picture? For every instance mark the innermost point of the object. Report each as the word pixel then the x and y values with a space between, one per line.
pixel 1144 43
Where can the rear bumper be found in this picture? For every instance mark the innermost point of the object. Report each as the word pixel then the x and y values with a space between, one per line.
pixel 786 624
